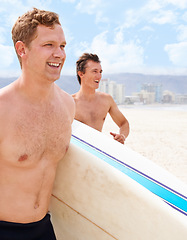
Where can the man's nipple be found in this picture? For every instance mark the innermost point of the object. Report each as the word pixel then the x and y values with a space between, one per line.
pixel 23 158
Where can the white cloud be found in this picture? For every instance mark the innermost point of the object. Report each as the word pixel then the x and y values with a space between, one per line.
pixel 7 56
pixel 178 3
pixel 158 4
pixel 92 7
pixel 41 4
pixel 155 11
pixel 184 16
pixel 89 7
pixel 100 17
pixel 153 5
pixel 163 17
pixel 10 1
pixel 12 9
pixel 147 28
pixel 152 12
pixel 68 1
pixel 182 36
pixel 119 56
pixel 132 17
pixel 2 35
pixel 177 53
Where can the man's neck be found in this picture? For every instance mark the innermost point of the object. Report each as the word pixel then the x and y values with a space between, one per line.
pixel 35 92
pixel 88 94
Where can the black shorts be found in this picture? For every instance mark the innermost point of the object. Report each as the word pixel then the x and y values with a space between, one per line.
pixel 41 230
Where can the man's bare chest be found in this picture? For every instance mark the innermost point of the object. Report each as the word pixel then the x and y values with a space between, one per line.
pixel 36 133
pixel 91 113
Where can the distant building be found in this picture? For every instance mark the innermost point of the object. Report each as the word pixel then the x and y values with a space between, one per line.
pixel 120 93
pixel 103 85
pixel 181 99
pixel 117 91
pixel 145 97
pixel 153 88
pixel 112 89
pixel 132 100
pixel 168 97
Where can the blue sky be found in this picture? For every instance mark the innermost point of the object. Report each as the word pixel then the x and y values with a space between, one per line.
pixel 134 36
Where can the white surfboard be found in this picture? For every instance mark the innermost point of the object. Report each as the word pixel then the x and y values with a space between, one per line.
pixel 104 190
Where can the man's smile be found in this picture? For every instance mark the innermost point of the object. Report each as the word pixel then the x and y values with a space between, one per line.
pixel 54 64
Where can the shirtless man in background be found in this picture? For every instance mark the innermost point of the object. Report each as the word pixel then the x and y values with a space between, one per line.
pixel 91 106
pixel 35 128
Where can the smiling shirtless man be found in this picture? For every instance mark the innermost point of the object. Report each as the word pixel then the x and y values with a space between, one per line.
pixel 35 128
pixel 91 106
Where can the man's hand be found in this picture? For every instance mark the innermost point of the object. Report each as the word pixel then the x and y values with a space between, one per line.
pixel 118 137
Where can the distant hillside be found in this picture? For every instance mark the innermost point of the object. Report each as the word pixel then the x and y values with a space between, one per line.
pixel 176 84
pixel 132 82
pixel 6 81
pixel 67 83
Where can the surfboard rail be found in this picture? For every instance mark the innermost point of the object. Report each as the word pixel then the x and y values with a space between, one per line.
pixel 173 198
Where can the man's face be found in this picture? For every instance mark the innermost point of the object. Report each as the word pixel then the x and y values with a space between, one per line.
pixel 92 75
pixel 45 55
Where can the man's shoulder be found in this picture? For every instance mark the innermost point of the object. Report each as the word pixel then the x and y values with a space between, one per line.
pixel 65 95
pixel 6 94
pixel 6 104
pixel 102 94
pixel 105 96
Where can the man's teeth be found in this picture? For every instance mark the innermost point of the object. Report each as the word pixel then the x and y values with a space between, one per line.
pixel 54 64
pixel 96 81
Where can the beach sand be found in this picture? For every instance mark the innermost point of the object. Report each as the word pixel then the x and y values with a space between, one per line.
pixel 158 133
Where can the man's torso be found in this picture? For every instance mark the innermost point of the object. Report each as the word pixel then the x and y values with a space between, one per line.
pixel 33 139
pixel 92 113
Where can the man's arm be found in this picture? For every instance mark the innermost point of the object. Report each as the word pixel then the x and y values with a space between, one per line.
pixel 120 120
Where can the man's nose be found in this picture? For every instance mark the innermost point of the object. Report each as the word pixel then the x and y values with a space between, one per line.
pixel 59 52
pixel 99 75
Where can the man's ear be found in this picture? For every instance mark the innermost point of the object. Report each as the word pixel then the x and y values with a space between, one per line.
pixel 20 48
pixel 80 73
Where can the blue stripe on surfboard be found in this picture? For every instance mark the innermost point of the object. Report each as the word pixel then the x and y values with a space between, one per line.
pixel 170 196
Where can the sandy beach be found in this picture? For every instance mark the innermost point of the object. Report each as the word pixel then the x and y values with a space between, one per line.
pixel 158 132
